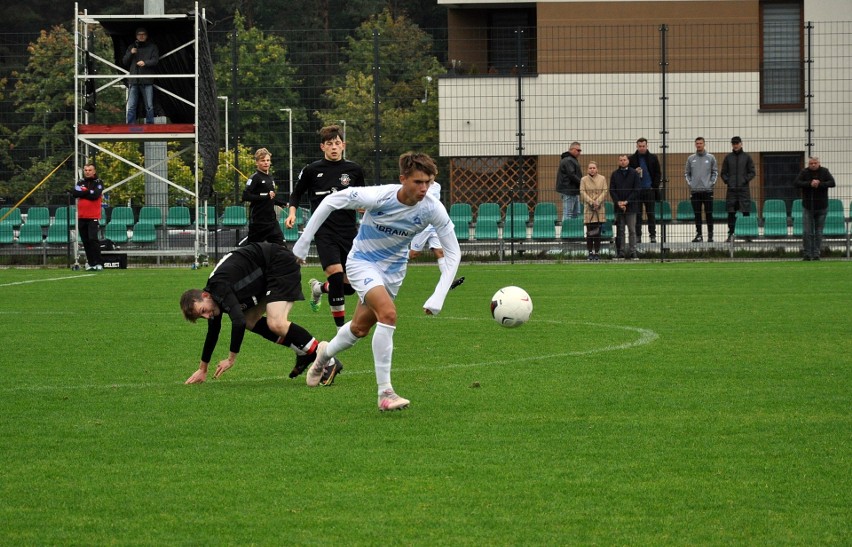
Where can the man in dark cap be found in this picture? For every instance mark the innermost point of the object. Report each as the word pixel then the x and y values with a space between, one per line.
pixel 737 172
pixel 141 59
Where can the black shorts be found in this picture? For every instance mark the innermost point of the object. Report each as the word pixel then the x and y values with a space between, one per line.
pixel 283 277
pixel 332 248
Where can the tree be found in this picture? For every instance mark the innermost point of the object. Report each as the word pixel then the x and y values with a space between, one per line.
pixel 407 90
pixel 266 83
pixel 43 98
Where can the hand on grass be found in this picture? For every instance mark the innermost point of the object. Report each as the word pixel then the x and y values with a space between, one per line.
pixel 223 365
pixel 198 377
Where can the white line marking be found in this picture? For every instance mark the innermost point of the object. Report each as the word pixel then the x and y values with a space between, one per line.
pixel 646 336
pixel 48 279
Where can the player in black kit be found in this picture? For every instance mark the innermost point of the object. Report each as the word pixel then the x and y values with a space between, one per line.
pixel 248 282
pixel 334 238
pixel 260 193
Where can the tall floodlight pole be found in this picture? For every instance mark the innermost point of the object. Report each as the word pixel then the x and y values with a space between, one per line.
pixel 344 136
pixel 225 99
pixel 289 112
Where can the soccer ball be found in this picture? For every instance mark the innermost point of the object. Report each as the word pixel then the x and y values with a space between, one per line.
pixel 511 307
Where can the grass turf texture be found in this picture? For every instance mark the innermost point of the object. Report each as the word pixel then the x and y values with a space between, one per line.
pixel 693 403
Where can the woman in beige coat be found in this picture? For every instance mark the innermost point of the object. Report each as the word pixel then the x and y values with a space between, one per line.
pixel 593 193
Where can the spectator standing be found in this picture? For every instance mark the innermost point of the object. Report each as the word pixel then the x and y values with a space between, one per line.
pixel 701 173
pixel 260 193
pixel 89 193
pixel 814 181
pixel 568 181
pixel 647 166
pixel 333 239
pixel 593 190
pixel 624 190
pixel 141 58
pixel 737 172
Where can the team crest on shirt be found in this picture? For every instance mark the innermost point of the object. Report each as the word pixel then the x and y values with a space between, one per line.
pixel 417 220
pixel 345 179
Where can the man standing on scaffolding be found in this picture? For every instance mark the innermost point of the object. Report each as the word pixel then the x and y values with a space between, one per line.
pixel 141 58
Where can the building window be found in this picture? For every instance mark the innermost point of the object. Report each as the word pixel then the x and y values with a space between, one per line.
pixel 782 64
pixel 511 42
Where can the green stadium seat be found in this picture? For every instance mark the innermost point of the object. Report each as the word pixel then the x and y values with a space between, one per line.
pixel 63 215
pixel 461 214
pixel 178 217
pixel 57 233
pixel 517 217
pixel 12 218
pixel 719 210
pixel 663 211
pixel 746 226
pixel 488 211
pixel 207 214
pixel 123 215
pixel 835 223
pixel 143 232
pixel 606 231
pixel 235 216
pixel 774 218
pixel 572 228
pixel 544 220
pixel 543 228
pixel 38 215
pixel 684 211
pixel 152 215
pixel 796 214
pixel 116 231
pixel 610 211
pixel 486 229
pixel 7 234
pixel 30 234
pixel 545 209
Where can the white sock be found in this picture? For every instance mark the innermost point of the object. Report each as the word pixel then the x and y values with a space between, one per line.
pixel 383 354
pixel 344 339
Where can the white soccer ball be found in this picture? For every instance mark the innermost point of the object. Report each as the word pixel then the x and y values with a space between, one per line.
pixel 511 307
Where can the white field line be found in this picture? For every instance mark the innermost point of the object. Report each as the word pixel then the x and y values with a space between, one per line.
pixel 644 337
pixel 42 280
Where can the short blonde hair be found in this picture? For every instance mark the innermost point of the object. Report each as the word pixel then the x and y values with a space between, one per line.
pixel 261 152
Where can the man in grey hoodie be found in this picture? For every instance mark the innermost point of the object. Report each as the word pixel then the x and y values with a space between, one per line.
pixel 701 174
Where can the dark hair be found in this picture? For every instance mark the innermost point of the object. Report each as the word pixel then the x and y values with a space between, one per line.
pixel 410 162
pixel 329 133
pixel 187 304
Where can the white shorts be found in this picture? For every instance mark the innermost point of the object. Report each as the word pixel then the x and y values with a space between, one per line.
pixel 427 239
pixel 364 276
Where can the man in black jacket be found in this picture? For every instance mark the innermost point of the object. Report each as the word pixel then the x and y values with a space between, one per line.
pixel 141 58
pixel 814 182
pixel 647 166
pixel 737 172
pixel 624 191
pixel 568 181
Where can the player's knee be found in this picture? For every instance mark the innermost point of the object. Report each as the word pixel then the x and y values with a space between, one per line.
pixel 278 325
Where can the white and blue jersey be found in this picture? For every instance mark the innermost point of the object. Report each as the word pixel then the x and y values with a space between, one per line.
pixel 428 238
pixel 386 231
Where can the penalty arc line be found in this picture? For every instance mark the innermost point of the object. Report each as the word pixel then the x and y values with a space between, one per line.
pixel 646 336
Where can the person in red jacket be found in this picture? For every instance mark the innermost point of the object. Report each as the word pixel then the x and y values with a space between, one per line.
pixel 89 193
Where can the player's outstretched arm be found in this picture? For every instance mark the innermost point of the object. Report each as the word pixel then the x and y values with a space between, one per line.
pixel 199 376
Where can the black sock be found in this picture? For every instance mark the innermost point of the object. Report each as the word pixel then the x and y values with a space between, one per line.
pixel 336 300
pixel 262 328
pixel 300 340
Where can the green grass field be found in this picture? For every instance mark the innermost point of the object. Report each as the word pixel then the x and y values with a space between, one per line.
pixel 643 404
